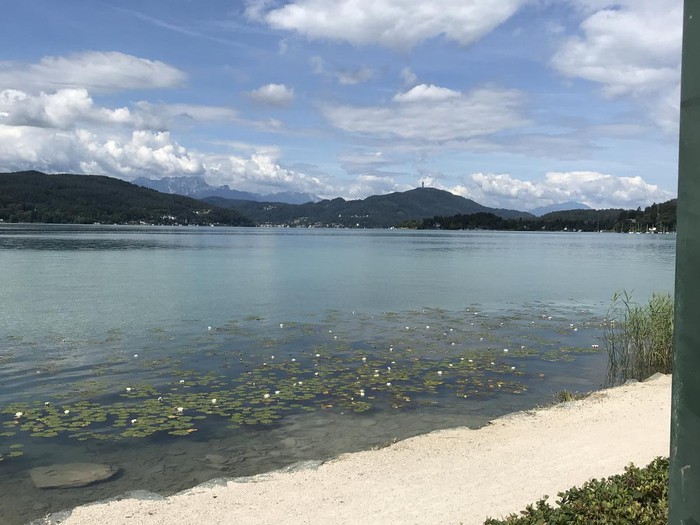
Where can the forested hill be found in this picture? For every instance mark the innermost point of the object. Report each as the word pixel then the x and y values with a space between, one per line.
pixel 657 218
pixel 377 211
pixel 32 196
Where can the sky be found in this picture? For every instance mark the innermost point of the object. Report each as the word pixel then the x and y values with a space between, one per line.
pixel 514 103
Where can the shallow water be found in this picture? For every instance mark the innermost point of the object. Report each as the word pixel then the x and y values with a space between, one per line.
pixel 388 320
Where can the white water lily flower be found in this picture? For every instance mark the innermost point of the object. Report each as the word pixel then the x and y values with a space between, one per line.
pixel 180 409
pixel 281 325
pixel 19 415
pixel 66 411
pixel 160 399
pixel 213 401
pixel 505 350
pixel 388 384
pixel 46 403
pixel 266 396
pixel 134 421
pixel 277 392
pixel 182 380
pixel 318 355
pixel 128 389
pixel 439 372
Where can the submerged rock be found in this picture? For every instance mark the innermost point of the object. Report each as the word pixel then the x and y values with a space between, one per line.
pixel 69 475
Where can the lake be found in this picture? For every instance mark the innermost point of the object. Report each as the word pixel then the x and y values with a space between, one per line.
pixel 181 355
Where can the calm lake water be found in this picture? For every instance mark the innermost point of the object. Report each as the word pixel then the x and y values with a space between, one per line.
pixel 181 355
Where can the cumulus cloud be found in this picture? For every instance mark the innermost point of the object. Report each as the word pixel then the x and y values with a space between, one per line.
pixel 277 95
pixel 66 131
pixel 594 189
pixel 261 171
pixel 62 109
pixel 93 70
pixel 424 92
pixel 145 153
pixel 69 108
pixel 630 47
pixel 397 24
pixel 434 114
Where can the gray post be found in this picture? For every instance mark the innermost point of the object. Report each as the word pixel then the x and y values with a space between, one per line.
pixel 684 497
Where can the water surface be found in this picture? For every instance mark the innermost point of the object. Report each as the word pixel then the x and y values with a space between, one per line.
pixel 376 335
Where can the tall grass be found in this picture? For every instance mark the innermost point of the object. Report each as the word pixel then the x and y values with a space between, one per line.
pixel 639 339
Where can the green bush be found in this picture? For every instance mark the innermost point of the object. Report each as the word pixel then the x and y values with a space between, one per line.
pixel 639 339
pixel 637 497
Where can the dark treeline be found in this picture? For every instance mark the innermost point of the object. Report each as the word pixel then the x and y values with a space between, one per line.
pixel 659 218
pixel 86 199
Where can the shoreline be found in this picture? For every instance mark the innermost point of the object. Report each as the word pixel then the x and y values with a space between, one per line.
pixel 448 476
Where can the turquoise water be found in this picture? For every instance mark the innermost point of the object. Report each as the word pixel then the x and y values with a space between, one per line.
pixel 88 311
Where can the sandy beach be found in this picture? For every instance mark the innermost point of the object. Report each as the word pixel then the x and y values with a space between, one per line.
pixel 452 476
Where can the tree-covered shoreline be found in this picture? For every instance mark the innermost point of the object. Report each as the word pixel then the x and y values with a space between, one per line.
pixel 657 218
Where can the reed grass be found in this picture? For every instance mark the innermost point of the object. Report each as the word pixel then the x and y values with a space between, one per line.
pixel 639 338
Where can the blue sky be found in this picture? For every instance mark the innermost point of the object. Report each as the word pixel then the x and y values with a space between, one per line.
pixel 516 103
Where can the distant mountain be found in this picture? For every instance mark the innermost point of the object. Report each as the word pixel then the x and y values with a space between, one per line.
pixel 32 196
pixel 564 206
pixel 198 188
pixel 377 211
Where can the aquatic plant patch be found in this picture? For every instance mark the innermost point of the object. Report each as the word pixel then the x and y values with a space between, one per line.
pixel 253 372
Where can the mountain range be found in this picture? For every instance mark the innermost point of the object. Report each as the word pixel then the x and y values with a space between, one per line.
pixel 376 211
pixel 564 206
pixel 37 197
pixel 198 188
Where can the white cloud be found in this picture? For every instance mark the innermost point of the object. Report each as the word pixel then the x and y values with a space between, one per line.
pixel 428 115
pixel 69 108
pixel 260 172
pixel 397 24
pixel 277 95
pixel 597 190
pixel 92 70
pixel 61 110
pixel 423 92
pixel 146 153
pixel 630 47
